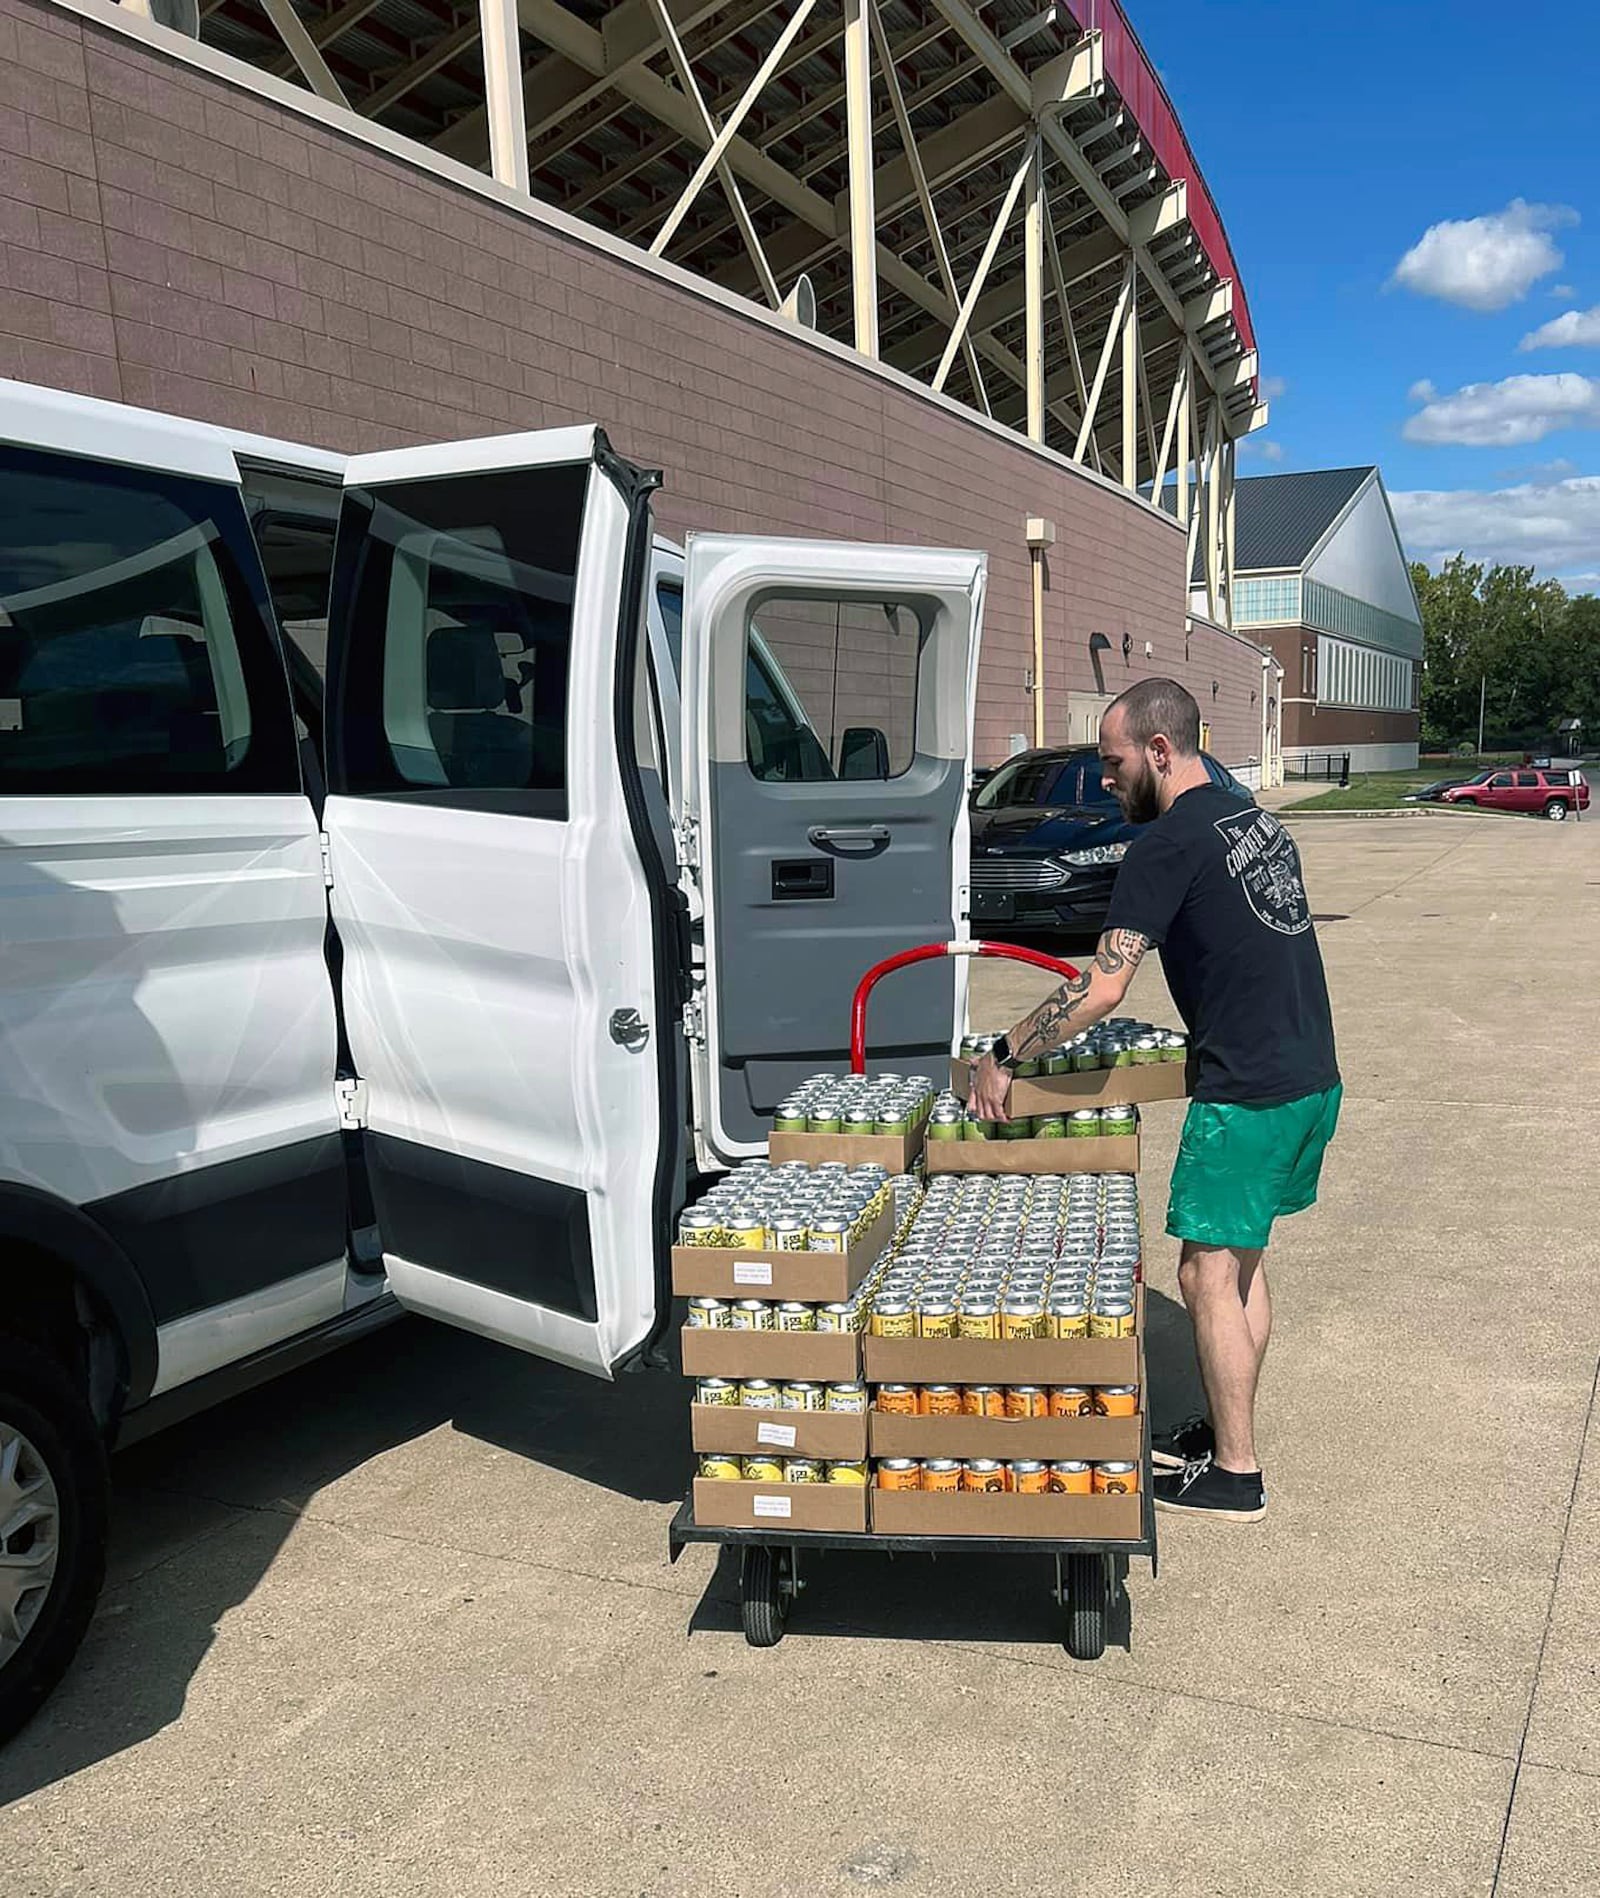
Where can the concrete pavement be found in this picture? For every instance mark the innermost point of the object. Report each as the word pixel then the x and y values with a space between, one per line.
pixel 403 1622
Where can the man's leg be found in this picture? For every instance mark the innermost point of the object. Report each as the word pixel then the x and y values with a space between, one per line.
pixel 1216 1282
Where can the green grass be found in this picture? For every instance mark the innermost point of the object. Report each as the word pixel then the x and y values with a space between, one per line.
pixel 1373 791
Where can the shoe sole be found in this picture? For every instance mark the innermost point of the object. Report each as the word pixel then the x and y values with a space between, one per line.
pixel 1214 1515
pixel 1165 1460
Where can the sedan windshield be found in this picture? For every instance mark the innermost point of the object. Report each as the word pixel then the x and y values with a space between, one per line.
pixel 1073 782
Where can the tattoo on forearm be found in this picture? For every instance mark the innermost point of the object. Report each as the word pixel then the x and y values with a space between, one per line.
pixel 1049 1026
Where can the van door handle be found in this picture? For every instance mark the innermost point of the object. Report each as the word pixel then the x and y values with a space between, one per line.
pixel 629 1029
pixel 867 836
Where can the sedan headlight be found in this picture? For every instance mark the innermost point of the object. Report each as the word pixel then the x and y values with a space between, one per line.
pixel 1096 853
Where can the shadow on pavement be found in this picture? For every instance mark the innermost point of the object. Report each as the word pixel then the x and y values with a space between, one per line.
pixel 221 1493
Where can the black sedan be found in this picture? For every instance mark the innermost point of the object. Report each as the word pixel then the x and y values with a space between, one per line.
pixel 1047 838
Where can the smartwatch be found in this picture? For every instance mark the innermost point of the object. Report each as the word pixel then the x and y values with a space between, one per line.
pixel 1002 1055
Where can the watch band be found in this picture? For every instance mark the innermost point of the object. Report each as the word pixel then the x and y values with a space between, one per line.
pixel 1002 1053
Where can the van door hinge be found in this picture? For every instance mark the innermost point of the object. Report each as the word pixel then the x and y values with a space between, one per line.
pixel 352 1098
pixel 694 1019
pixel 686 834
pixel 327 860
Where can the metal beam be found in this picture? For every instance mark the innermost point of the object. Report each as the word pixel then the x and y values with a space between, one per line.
pixel 1103 367
pixel 302 49
pixel 327 29
pixel 1033 287
pixel 975 288
pixel 1130 379
pixel 502 92
pixel 862 206
pixel 440 53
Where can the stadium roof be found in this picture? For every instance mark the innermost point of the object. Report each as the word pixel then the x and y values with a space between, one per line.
pixel 1281 517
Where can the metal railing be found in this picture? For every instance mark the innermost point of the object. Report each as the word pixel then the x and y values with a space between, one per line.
pixel 1128 67
pixel 1318 767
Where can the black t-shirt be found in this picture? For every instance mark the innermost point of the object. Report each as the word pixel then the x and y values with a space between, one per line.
pixel 1217 886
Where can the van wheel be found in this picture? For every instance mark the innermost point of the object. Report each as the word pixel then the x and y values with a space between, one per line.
pixel 1556 810
pixel 53 1511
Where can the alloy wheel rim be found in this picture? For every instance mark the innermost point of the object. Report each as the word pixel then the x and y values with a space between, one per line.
pixel 30 1537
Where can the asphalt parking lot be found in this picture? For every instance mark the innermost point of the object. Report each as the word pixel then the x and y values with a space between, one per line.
pixel 403 1622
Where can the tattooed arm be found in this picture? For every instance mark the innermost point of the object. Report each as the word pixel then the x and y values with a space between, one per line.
pixel 1087 998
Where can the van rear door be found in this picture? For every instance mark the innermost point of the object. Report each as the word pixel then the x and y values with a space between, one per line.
pixel 495 887
pixel 827 737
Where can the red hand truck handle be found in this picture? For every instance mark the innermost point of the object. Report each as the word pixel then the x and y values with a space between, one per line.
pixel 927 953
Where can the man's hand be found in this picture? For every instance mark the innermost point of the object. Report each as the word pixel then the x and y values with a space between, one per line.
pixel 988 1090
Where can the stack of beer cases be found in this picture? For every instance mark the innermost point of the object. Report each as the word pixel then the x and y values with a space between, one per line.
pixel 1113 1509
pixel 835 1436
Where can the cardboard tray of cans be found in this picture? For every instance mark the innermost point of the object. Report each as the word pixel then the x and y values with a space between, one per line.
pixel 831 1436
pixel 809 1278
pixel 816 1357
pixel 1085 1361
pixel 1117 1153
pixel 835 1507
pixel 1055 1518
pixel 1099 1087
pixel 1050 1439
pixel 894 1151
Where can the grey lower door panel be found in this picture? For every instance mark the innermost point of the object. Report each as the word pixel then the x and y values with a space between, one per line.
pixel 802 915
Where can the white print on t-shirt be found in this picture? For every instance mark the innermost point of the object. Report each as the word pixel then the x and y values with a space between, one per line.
pixel 1262 856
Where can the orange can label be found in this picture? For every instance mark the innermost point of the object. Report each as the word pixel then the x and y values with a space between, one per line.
pixel 1030 1482
pixel 939 1400
pixel 899 1473
pixel 990 1481
pixel 1070 1400
pixel 1027 1401
pixel 983 1400
pixel 1116 1403
pixel 941 1477
pixel 1112 1479
pixel 1069 1480
pixel 897 1400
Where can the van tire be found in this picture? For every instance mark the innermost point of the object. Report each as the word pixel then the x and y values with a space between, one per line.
pixel 51 1447
pixel 1556 810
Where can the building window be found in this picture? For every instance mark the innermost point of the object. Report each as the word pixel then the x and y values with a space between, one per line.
pixel 1358 677
pixel 1266 601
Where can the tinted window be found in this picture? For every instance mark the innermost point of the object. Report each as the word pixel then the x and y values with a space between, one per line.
pixel 456 598
pixel 1501 781
pixel 1527 781
pixel 669 597
pixel 1068 781
pixel 831 688
pixel 134 652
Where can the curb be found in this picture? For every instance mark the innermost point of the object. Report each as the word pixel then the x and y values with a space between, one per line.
pixel 1417 810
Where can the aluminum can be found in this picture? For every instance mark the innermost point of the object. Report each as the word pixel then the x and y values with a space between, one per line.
pixel 979 1129
pixel 1119 1121
pixel 794 1317
pixel 893 1318
pixel 899 1472
pixel 983 1474
pixel 846 1471
pixel 979 1317
pixel 836 1317
pixel 708 1314
pixel 1029 1477
pixel 1022 1318
pixel 1025 1401
pixel 1113 1320
pixel 1083 1123
pixel 699 1228
pixel 897 1400
pixel 790 1230
pixel 750 1314
pixel 760 1393
pixel 748 1229
pixel 718 1466
pixel 936 1318
pixel 1116 1400
pixel 716 1390
pixel 1174 1047
pixel 829 1234
pixel 1070 1400
pixel 824 1120
pixel 800 1395
pixel 1049 1127
pixel 851 1398
pixel 945 1123
pixel 764 1468
pixel 1070 1479
pixel 1146 1050
pixel 941 1475
pixel 790 1119
pixel 801 1469
pixel 1115 1479
pixel 939 1400
pixel 983 1400
pixel 1085 1058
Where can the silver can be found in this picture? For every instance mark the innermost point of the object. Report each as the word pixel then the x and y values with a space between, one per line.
pixel 759 1393
pixel 750 1314
pixel 792 1316
pixel 830 1234
pixel 708 1314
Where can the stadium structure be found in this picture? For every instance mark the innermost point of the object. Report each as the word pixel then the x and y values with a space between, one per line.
pixel 924 270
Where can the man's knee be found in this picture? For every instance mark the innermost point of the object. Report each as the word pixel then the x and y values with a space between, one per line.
pixel 1208 1271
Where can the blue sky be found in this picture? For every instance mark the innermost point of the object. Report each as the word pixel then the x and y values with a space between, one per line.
pixel 1335 140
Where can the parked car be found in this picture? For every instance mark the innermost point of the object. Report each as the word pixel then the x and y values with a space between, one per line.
pixel 1431 793
pixel 1047 837
pixel 1558 792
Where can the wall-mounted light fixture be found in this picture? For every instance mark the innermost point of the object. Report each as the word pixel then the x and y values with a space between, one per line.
pixel 1215 688
pixel 1127 645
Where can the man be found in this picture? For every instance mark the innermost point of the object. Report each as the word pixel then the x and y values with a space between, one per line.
pixel 1216 887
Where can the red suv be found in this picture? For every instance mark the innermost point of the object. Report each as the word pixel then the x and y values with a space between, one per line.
pixel 1558 793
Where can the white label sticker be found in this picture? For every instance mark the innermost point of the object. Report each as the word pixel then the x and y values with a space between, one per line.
pixel 769 1505
pixel 752 1272
pixel 780 1435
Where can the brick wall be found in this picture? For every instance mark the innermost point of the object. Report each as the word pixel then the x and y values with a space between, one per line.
pixel 172 241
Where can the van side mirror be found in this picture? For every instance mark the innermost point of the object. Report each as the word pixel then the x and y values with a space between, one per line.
pixel 863 753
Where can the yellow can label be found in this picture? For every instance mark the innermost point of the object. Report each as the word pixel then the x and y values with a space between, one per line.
pixel 762 1469
pixel 721 1469
pixel 855 1473
pixel 1110 1324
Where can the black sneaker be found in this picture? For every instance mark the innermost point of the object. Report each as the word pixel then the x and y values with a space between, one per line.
pixel 1201 1489
pixel 1187 1443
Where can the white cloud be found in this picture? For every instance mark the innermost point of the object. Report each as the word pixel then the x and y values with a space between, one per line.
pixel 1554 527
pixel 1272 451
pixel 1573 329
pixel 1422 391
pixel 1485 263
pixel 1258 450
pixel 1561 292
pixel 1540 473
pixel 1272 387
pixel 1504 414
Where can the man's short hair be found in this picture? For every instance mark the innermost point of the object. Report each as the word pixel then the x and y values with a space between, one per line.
pixel 1160 705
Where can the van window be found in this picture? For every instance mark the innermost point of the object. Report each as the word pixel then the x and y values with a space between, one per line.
pixel 135 654
pixel 455 599
pixel 841 698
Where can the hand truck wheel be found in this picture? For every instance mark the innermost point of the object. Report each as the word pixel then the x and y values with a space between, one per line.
pixel 765 1590
pixel 1085 1602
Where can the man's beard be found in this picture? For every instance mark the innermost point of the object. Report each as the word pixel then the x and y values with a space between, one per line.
pixel 1141 803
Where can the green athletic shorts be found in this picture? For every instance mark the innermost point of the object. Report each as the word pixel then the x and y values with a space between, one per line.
pixel 1240 1168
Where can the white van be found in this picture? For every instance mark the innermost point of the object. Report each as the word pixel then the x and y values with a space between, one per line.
pixel 440 995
